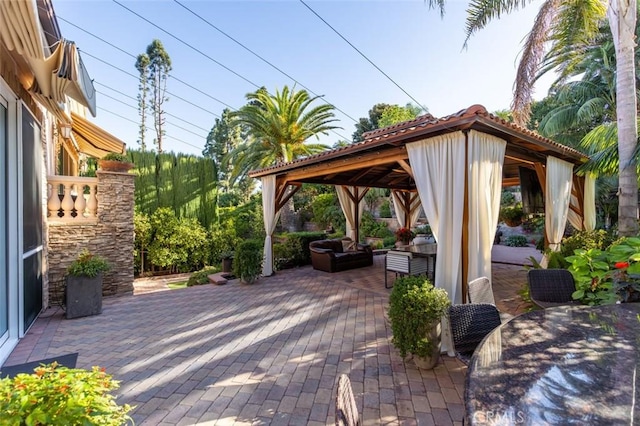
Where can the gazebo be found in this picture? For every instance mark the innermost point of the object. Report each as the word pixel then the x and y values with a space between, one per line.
pixel 455 167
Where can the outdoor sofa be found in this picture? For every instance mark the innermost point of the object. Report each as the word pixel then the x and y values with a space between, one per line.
pixel 329 256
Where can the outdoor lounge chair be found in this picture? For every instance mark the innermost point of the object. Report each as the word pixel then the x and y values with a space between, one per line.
pixel 346 408
pixel 551 287
pixel 470 323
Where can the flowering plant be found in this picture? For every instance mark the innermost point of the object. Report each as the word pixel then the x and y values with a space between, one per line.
pixel 607 276
pixel 404 234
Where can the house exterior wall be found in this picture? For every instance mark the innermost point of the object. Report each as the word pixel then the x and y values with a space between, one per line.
pixel 110 237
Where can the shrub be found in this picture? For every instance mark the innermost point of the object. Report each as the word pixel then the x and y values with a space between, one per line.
pixel 296 247
pixel 247 263
pixel 326 211
pixel 586 240
pixel 535 224
pixel 516 241
pixel 61 396
pixel 201 277
pixel 222 240
pixel 114 156
pixel 180 245
pixel 88 265
pixel 389 241
pixel 385 209
pixel 424 229
pixel 383 233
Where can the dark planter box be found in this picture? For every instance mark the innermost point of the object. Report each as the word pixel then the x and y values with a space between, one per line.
pixel 227 264
pixel 83 296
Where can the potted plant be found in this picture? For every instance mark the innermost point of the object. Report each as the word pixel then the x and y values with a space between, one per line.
pixel 248 261
pixel 227 261
pixel 114 162
pixel 83 291
pixel 404 235
pixel 512 215
pixel 62 396
pixel 415 310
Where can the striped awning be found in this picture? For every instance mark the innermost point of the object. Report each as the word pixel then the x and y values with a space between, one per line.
pixel 93 140
pixel 58 71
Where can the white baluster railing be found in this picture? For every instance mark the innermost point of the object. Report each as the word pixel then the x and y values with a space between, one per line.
pixel 72 199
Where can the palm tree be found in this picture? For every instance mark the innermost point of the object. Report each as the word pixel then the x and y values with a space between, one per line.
pixel 279 126
pixel 565 23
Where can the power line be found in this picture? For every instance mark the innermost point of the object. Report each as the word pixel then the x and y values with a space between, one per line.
pixel 361 54
pixel 262 59
pixel 134 122
pixel 134 57
pixel 135 108
pixel 84 52
pixel 199 51
pixel 135 99
pixel 186 44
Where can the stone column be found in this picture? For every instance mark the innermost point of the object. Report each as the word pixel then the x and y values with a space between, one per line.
pixel 114 239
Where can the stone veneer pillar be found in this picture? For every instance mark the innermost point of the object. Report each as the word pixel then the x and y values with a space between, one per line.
pixel 111 237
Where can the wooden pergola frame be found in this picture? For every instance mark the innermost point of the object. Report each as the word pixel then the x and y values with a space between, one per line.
pixel 382 161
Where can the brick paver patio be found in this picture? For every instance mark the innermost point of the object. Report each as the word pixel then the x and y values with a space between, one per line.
pixel 268 353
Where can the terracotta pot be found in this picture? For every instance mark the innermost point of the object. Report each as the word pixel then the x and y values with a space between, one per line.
pixel 114 166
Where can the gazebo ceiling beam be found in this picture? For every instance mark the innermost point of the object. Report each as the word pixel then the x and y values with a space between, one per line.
pixel 360 175
pixel 406 167
pixel 390 156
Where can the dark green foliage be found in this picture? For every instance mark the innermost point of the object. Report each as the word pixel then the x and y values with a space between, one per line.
pixel 247 262
pixel 222 242
pixel 586 240
pixel 370 227
pixel 185 183
pixel 295 247
pixel 414 307
pixel 424 229
pixel 535 224
pixel 516 241
pixel 385 209
pixel 326 211
pixel 507 198
pixel 246 220
pixel 201 277
pixel 389 241
pixel 512 215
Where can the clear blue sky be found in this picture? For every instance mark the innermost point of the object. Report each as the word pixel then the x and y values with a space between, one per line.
pixel 408 41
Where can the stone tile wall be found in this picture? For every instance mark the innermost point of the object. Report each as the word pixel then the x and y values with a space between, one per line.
pixel 111 237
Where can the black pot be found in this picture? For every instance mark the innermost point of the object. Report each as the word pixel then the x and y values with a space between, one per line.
pixel 83 296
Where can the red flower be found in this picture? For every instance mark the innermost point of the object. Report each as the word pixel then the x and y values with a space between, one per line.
pixel 621 265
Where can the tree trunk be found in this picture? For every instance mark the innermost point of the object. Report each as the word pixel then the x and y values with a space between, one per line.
pixel 288 217
pixel 622 20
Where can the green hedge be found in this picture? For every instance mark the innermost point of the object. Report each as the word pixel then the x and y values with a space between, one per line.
pixel 296 246
pixel 247 262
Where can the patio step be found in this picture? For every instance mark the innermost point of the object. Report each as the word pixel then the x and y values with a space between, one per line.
pixel 218 279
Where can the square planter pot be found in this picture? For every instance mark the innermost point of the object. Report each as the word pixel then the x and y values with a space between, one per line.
pixel 83 296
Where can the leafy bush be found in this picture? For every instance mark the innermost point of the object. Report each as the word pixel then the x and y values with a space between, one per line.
pixel 586 240
pixel 246 220
pixel 222 240
pixel 142 237
pixel 201 277
pixel 55 395
pixel 507 198
pixel 370 227
pixel 177 244
pixel 516 241
pixel 88 265
pixel 389 241
pixel 247 263
pixel 385 209
pixel 424 229
pixel 535 224
pixel 326 211
pixel 296 247
pixel 383 232
pixel 414 307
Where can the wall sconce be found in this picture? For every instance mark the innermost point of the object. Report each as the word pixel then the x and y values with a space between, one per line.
pixel 65 130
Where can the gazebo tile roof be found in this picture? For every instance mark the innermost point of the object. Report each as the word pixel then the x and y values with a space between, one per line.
pixel 412 129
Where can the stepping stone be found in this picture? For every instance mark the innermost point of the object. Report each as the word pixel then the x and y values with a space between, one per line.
pixel 218 279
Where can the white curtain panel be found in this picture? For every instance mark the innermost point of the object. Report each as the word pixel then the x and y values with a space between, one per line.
pixel 589 207
pixel 397 203
pixel 589 202
pixel 557 197
pixel 486 156
pixel 438 167
pixel 270 220
pixel 347 206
